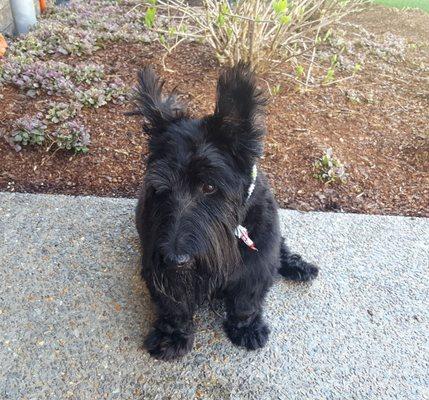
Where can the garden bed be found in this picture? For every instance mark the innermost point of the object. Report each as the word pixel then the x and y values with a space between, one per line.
pixel 376 121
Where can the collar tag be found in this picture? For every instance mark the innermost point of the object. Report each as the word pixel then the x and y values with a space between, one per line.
pixel 242 234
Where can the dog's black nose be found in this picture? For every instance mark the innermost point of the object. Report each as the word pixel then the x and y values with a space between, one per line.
pixel 183 259
pixel 179 260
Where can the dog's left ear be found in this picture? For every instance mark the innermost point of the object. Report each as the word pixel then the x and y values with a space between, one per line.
pixel 237 122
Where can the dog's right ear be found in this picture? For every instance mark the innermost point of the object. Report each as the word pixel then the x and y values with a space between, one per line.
pixel 158 110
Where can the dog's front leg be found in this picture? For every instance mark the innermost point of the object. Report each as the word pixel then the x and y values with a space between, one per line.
pixel 244 299
pixel 172 334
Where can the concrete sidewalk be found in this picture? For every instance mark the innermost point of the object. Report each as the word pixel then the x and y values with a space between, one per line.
pixel 73 311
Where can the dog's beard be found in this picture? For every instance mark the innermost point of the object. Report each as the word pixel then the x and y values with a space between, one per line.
pixel 222 257
pixel 209 234
pixel 213 267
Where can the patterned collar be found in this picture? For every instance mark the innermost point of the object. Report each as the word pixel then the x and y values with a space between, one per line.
pixel 253 182
pixel 241 231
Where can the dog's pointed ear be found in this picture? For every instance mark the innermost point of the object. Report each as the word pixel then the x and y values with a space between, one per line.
pixel 157 109
pixel 239 112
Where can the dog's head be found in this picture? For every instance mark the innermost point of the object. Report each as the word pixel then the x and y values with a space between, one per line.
pixel 199 170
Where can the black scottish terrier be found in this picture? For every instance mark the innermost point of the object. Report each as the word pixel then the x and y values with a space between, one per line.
pixel 206 216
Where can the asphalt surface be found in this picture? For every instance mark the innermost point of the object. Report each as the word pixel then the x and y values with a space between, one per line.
pixel 73 311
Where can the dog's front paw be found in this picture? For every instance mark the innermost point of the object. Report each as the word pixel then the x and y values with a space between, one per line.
pixel 253 336
pixel 168 344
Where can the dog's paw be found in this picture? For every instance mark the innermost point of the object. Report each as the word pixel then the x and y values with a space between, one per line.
pixel 168 345
pixel 251 337
pixel 303 272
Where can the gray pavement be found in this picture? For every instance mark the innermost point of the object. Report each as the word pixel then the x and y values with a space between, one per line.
pixel 73 311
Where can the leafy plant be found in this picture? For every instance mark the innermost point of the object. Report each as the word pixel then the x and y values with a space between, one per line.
pixel 98 96
pixel 329 169
pixel 29 45
pixel 52 77
pixel 63 39
pixel 93 97
pixel 116 91
pixel 88 73
pixel 72 136
pixel 330 73
pixel 60 112
pixel 27 131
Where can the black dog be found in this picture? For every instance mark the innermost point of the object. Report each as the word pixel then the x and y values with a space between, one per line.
pixel 207 219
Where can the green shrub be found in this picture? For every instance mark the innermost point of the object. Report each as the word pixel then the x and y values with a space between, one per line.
pixel 329 169
pixel 259 32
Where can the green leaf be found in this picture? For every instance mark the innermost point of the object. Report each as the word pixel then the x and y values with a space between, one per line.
pixel 224 8
pixel 285 19
pixel 280 6
pixel 223 12
pixel 221 20
pixel 299 70
pixel 149 18
pixel 171 32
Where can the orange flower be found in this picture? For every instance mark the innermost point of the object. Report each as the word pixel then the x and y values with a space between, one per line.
pixel 42 5
pixel 3 45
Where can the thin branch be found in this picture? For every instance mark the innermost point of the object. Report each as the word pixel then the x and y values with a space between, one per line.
pixel 312 57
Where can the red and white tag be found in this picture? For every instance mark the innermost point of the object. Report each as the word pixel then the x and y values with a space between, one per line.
pixel 242 234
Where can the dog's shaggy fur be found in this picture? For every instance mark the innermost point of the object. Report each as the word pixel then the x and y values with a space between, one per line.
pixel 195 194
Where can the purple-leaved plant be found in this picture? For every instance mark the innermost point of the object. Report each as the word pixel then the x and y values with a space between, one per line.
pixel 116 92
pixel 27 131
pixel 51 77
pixel 72 135
pixel 60 112
pixel 88 73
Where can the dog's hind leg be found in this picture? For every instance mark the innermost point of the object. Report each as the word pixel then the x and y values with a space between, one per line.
pixel 293 267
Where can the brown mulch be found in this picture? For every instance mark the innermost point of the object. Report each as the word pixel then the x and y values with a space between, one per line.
pixel 384 142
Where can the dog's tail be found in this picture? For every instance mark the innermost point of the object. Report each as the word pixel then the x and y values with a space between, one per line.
pixel 293 267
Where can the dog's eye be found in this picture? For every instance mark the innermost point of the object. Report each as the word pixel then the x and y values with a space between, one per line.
pixel 159 191
pixel 207 188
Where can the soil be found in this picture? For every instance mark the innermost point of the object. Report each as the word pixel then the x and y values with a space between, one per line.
pixel 376 122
